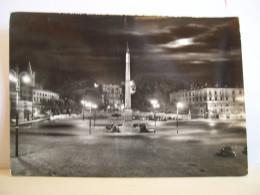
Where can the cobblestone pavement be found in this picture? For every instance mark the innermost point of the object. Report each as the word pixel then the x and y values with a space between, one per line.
pixel 68 148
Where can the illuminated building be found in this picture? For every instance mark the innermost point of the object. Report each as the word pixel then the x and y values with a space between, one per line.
pixel 212 102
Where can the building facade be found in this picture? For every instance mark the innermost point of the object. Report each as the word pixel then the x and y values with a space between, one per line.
pixel 40 99
pixel 40 95
pixel 212 102
pixel 113 95
pixel 25 105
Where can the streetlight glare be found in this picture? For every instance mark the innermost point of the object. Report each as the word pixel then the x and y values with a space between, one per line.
pixel 156 105
pixel 179 105
pixel 240 99
pixel 88 104
pixel 154 101
pixel 26 79
pixel 96 85
pixel 12 78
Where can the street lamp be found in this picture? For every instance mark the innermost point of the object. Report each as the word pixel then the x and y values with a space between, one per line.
pixel 94 106
pixel 90 106
pixel 178 105
pixel 15 77
pixel 83 108
pixel 155 105
pixel 96 85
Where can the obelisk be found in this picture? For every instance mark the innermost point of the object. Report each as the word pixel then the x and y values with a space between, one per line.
pixel 128 111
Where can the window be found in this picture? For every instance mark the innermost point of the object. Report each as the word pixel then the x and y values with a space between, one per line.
pixel 210 98
pixel 226 98
pixel 215 98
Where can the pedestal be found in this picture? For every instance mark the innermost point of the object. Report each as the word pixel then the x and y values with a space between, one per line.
pixel 128 115
pixel 128 124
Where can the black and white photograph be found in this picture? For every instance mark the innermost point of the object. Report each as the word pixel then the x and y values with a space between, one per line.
pixel 126 96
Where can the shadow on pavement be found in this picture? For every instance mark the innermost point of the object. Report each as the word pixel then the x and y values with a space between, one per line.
pixel 46 134
pixel 56 126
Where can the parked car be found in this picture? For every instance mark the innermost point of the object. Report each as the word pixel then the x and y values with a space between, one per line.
pixel 136 117
pixel 144 129
pixel 116 115
pixel 227 151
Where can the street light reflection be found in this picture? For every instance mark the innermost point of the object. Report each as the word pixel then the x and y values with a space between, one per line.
pixel 212 124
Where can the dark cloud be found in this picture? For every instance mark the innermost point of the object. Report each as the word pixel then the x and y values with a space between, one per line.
pixel 78 47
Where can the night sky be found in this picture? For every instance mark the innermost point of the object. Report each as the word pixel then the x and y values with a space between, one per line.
pixel 69 48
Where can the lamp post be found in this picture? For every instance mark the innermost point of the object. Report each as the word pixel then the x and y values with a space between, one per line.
pixel 155 106
pixel 90 106
pixel 83 109
pixel 15 77
pixel 94 106
pixel 178 105
pixel 33 86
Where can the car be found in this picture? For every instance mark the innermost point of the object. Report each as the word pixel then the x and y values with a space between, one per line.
pixel 135 125
pixel 227 151
pixel 116 115
pixel 136 117
pixel 150 118
pixel 144 129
